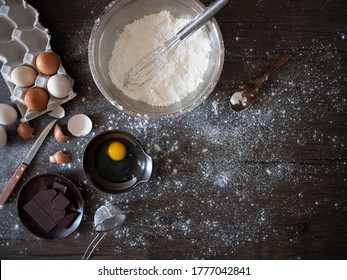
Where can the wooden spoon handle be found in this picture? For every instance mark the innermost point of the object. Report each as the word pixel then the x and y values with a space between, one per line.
pixel 282 59
pixel 11 185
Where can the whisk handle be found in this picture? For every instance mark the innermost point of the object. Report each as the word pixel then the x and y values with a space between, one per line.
pixel 93 245
pixel 201 19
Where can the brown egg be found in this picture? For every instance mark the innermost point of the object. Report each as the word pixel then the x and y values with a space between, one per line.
pixel 36 99
pixel 60 157
pixel 59 135
pixel 25 130
pixel 48 63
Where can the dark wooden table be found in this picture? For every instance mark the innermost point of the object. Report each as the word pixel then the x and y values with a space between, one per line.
pixel 268 183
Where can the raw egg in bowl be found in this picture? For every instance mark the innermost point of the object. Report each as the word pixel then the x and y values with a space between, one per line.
pixel 114 161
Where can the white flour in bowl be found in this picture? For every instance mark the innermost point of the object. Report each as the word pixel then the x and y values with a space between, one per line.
pixel 180 76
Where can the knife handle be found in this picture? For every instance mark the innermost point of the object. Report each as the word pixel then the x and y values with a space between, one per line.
pixel 11 185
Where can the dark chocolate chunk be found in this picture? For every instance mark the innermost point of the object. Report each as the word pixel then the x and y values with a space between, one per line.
pixel 71 216
pixel 49 194
pixel 59 187
pixel 60 202
pixel 63 222
pixel 39 215
pixel 31 207
pixel 48 207
pixel 57 214
pixel 48 224
pixel 71 207
pixel 67 220
pixel 40 198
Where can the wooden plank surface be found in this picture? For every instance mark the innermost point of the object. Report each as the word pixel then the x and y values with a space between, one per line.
pixel 268 183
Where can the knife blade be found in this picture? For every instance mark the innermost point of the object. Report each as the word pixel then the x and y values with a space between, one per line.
pixel 12 183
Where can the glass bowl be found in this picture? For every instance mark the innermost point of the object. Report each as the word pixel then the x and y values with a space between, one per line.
pixel 106 31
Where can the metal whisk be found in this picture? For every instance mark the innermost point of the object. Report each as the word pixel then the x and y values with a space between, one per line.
pixel 146 68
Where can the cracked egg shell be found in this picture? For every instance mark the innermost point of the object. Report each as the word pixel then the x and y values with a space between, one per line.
pixel 58 112
pixel 80 125
pixel 60 158
pixel 25 130
pixel 59 135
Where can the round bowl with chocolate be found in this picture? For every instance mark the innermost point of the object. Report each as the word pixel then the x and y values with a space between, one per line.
pixel 50 206
pixel 114 161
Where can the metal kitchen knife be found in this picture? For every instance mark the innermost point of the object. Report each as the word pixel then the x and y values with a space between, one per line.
pixel 23 166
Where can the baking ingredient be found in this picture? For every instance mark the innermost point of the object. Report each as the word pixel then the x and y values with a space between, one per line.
pixel 60 158
pixel 25 130
pixel 59 135
pixel 117 162
pixel 80 125
pixel 48 63
pixel 117 151
pixel 58 112
pixel 238 97
pixel 181 75
pixel 247 94
pixel 3 137
pixel 23 76
pixel 36 99
pixel 59 86
pixel 51 208
pixel 8 114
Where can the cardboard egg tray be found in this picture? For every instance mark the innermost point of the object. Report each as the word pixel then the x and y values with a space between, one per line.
pixel 22 39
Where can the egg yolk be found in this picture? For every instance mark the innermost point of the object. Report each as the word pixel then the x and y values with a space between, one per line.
pixel 117 151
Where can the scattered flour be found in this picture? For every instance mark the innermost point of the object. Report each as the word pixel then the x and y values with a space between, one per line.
pixel 215 170
pixel 180 76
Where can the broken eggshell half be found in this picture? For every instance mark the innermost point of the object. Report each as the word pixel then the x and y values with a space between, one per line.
pixel 60 158
pixel 25 130
pixel 59 135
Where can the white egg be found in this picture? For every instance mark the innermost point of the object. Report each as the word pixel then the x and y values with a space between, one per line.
pixel 59 86
pixel 3 137
pixel 80 125
pixel 23 76
pixel 8 114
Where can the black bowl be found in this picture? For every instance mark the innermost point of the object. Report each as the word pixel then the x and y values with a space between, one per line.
pixel 36 185
pixel 116 176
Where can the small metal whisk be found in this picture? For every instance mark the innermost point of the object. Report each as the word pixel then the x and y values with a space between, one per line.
pixel 146 68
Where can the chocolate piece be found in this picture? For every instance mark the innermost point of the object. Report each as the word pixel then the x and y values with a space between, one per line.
pixel 63 222
pixel 57 214
pixel 71 216
pixel 59 187
pixel 47 225
pixel 67 220
pixel 31 207
pixel 39 215
pixel 49 194
pixel 40 198
pixel 71 207
pixel 48 207
pixel 60 202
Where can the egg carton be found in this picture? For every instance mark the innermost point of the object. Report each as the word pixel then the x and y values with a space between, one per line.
pixel 22 39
